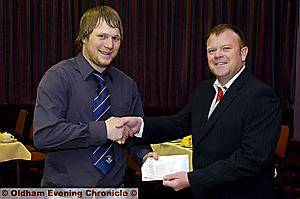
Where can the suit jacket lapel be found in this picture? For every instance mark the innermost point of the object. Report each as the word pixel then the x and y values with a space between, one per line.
pixel 227 99
pixel 205 103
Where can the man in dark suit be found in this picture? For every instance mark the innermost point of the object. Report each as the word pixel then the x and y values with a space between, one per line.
pixel 234 120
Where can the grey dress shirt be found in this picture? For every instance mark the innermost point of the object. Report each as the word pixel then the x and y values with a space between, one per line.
pixel 64 128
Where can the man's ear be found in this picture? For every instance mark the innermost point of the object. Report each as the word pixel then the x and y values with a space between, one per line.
pixel 85 40
pixel 244 52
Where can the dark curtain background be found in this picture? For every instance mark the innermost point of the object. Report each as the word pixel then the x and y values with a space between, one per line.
pixel 297 90
pixel 164 45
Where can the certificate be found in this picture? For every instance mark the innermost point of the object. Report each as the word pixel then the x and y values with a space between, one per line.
pixel 156 169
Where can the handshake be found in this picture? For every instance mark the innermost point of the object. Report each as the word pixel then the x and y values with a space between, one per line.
pixel 119 129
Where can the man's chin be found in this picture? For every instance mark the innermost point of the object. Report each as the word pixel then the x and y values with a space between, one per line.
pixel 220 72
pixel 104 64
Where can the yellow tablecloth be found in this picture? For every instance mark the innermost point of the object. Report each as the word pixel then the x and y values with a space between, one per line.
pixel 13 151
pixel 170 148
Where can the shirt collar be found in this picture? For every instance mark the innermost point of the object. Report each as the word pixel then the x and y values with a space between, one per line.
pixel 228 84
pixel 86 69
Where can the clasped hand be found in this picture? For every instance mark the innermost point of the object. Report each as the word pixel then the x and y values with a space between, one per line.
pixel 119 129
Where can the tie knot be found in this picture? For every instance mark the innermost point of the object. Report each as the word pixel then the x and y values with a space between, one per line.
pixel 99 77
pixel 220 94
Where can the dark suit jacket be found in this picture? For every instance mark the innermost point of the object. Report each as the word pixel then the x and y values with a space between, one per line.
pixel 233 149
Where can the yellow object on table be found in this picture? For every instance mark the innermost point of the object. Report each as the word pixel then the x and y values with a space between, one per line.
pixel 13 151
pixel 174 148
pixel 7 137
pixel 187 141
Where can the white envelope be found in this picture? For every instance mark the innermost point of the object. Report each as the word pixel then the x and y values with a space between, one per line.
pixel 156 169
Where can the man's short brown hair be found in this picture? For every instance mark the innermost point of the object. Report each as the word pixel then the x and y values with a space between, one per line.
pixel 217 30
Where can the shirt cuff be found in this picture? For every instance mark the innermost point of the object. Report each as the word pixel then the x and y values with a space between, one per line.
pixel 98 132
pixel 140 133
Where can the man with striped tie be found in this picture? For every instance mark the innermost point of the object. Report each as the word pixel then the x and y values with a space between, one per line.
pixel 78 102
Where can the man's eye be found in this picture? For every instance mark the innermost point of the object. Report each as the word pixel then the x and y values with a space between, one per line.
pixel 226 48
pixel 101 36
pixel 116 38
pixel 211 50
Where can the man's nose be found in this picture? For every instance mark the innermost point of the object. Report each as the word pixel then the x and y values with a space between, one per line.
pixel 218 53
pixel 109 43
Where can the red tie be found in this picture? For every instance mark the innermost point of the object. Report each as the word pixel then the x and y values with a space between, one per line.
pixel 220 94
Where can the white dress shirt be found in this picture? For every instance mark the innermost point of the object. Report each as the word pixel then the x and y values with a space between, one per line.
pixel 224 89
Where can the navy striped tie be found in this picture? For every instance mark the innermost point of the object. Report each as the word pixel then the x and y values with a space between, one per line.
pixel 103 156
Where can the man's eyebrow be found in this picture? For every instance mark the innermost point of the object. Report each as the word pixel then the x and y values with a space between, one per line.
pixel 210 47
